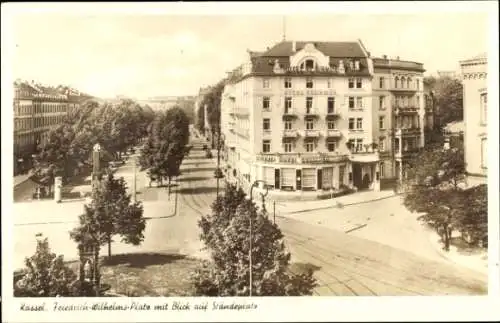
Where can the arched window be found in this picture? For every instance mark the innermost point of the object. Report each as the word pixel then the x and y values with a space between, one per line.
pixel 396 81
pixel 408 83
pixel 403 82
pixel 418 84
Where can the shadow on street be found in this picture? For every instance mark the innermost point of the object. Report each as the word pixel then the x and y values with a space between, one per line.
pixel 197 190
pixel 193 179
pixel 141 260
pixel 198 169
pixel 302 268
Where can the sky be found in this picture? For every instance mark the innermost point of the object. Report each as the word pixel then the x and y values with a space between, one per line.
pixel 144 55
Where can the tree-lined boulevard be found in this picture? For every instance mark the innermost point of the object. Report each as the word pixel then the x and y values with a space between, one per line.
pixel 342 264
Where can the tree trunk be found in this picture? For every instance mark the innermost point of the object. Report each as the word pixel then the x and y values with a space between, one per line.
pixel 446 237
pixel 109 246
pixel 169 182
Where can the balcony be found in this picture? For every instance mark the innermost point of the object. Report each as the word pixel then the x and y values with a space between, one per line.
pixel 244 133
pixel 332 114
pixel 404 89
pixel 406 153
pixel 306 158
pixel 333 133
pixel 398 109
pixel 311 113
pixel 289 114
pixel 310 133
pixel 290 133
pixel 241 112
pixel 407 131
pixel 366 155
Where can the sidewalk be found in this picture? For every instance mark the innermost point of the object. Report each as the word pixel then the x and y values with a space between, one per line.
pixel 476 259
pixel 19 179
pixel 337 202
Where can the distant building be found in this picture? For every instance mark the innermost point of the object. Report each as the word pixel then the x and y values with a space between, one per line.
pixel 450 74
pixel 37 108
pixel 475 98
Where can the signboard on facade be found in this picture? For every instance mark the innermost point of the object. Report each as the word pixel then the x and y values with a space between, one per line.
pixel 309 92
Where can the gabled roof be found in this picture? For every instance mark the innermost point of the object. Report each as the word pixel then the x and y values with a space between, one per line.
pixel 332 49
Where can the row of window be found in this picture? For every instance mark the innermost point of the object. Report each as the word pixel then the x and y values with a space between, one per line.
pixel 305 178
pixel 354 123
pixel 352 83
pixel 407 100
pixel 407 122
pixel 39 108
pixel 402 83
pixel 310 146
pixel 332 145
pixel 30 123
pixel 355 102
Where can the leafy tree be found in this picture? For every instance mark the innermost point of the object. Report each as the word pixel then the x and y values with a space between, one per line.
pixel 474 220
pixel 166 146
pixel 433 187
pixel 448 95
pixel 110 213
pixel 45 275
pixel 226 234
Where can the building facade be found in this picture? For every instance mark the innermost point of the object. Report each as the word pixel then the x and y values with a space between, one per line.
pixel 475 98
pixel 299 120
pixel 400 113
pixel 37 108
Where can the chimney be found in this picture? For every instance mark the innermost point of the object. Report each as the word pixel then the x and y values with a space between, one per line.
pixel 294 46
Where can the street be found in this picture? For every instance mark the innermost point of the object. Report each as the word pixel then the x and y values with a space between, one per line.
pixel 344 264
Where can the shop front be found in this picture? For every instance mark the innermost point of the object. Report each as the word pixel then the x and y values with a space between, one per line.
pixel 303 176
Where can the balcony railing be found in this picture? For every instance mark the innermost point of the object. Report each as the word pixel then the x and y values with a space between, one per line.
pixel 333 133
pixel 312 113
pixel 241 112
pixel 407 131
pixel 406 152
pixel 290 133
pixel 398 109
pixel 310 133
pixel 289 113
pixel 330 114
pixel 307 158
pixel 404 89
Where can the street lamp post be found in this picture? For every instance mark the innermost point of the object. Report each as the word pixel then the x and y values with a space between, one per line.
pixel 251 233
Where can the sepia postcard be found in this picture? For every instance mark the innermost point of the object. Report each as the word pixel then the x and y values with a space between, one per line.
pixel 271 161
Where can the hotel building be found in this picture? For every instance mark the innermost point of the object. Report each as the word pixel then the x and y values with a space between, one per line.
pixel 475 97
pixel 309 119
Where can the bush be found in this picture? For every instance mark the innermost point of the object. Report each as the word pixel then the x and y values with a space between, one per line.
pixel 226 234
pixel 45 275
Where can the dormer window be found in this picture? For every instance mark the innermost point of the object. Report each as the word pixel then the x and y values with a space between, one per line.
pixel 356 65
pixel 309 64
pixel 351 65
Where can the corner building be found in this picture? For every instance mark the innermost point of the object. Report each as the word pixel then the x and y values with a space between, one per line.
pixel 301 119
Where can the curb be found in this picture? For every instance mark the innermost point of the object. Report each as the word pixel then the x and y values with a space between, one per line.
pixel 21 182
pixel 343 205
pixel 445 256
